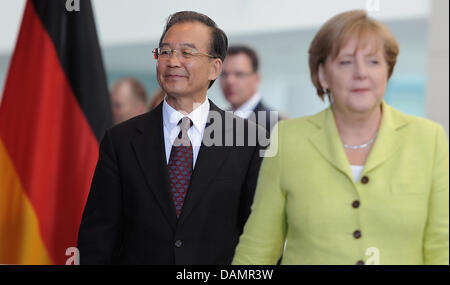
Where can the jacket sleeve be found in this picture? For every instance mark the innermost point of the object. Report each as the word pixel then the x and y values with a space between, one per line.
pixel 436 248
pixel 99 236
pixel 251 179
pixel 264 233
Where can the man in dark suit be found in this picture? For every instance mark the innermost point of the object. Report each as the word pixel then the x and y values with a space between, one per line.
pixel 240 82
pixel 169 187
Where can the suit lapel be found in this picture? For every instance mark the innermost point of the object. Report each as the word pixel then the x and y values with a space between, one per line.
pixel 328 142
pixel 389 139
pixel 150 152
pixel 209 161
pixel 260 107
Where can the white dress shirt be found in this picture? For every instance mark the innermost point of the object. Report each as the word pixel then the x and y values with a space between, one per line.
pixel 356 170
pixel 248 107
pixel 171 117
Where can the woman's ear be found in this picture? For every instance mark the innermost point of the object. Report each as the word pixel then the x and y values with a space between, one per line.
pixel 216 69
pixel 322 76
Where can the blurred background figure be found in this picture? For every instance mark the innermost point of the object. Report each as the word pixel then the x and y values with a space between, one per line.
pixel 157 98
pixel 240 83
pixel 128 99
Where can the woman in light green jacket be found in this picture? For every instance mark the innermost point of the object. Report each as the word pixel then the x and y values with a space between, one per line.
pixel 358 183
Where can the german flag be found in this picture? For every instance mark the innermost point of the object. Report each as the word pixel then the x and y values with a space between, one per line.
pixel 54 111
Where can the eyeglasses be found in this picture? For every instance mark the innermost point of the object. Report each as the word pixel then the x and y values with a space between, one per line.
pixel 185 52
pixel 238 75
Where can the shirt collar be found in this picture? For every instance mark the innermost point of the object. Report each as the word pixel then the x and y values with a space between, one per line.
pixel 198 116
pixel 245 109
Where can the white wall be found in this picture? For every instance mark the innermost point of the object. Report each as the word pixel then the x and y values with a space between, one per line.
pixel 438 65
pixel 143 20
pixel 10 18
pixel 134 22
pixel 125 21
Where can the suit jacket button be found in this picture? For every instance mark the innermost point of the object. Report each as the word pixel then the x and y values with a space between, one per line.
pixel 357 234
pixel 365 180
pixel 360 262
pixel 178 243
pixel 356 204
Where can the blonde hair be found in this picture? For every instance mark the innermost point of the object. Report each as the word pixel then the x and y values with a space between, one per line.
pixel 336 33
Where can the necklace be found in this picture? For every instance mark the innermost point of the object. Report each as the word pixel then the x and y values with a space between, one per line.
pixel 364 145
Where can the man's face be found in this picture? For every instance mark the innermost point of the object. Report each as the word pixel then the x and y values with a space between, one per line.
pixel 238 80
pixel 180 76
pixel 124 103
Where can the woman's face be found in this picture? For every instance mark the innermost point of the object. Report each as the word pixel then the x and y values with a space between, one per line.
pixel 357 77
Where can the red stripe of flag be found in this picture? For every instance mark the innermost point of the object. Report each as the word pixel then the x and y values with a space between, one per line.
pixel 47 136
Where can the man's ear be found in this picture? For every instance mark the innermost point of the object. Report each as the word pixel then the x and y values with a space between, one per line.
pixel 322 76
pixel 216 69
pixel 258 78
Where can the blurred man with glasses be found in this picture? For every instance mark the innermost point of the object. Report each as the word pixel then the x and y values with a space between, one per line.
pixel 161 192
pixel 240 83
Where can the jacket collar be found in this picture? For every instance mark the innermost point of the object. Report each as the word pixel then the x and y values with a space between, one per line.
pixel 328 142
pixel 150 153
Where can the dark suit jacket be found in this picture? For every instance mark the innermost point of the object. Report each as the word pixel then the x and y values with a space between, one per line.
pixel 130 218
pixel 268 124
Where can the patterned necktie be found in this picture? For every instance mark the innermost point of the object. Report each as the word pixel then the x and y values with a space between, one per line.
pixel 180 165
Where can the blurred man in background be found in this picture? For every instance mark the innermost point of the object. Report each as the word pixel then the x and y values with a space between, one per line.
pixel 156 99
pixel 240 82
pixel 128 99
